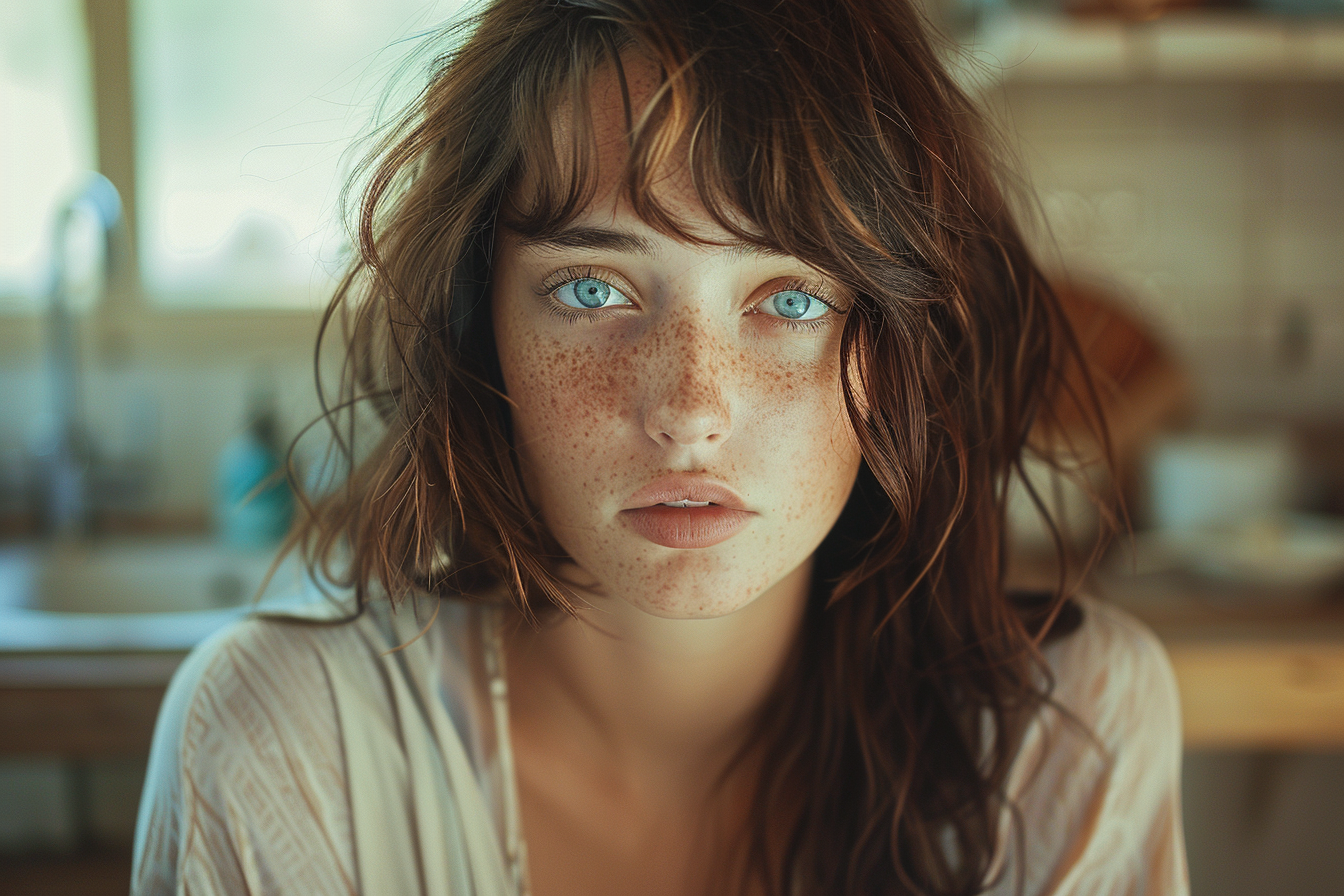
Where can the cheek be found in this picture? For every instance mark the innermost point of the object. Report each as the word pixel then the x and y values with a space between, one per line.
pixel 802 403
pixel 565 397
pixel 816 452
pixel 577 406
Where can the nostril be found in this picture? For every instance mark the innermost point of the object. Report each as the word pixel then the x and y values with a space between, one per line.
pixel 670 427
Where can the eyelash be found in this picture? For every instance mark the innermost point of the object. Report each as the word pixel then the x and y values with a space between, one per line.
pixel 816 291
pixel 569 275
pixel 574 315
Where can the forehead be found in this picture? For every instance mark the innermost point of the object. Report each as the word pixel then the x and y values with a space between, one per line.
pixel 591 140
pixel 618 96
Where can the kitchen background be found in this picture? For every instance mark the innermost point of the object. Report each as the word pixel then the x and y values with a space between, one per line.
pixel 1189 164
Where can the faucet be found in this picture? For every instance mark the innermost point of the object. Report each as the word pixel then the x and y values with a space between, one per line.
pixel 65 496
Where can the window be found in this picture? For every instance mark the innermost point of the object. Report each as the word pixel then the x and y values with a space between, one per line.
pixel 246 116
pixel 246 112
pixel 46 142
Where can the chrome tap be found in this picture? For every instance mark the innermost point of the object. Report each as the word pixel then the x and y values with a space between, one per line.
pixel 65 484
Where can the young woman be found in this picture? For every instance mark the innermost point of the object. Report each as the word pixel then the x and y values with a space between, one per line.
pixel 703 343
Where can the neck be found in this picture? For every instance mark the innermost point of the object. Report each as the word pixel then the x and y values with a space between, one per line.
pixel 655 702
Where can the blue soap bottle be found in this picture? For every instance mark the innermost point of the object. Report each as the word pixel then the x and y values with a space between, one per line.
pixel 254 505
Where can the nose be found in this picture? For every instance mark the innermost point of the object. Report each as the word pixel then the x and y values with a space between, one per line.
pixel 688 403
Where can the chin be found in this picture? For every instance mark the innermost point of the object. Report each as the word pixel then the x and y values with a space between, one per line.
pixel 691 594
pixel 693 605
pixel 676 585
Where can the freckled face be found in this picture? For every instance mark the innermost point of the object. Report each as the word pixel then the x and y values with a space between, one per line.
pixel 630 356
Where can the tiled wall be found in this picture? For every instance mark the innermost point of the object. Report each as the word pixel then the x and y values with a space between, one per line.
pixel 178 417
pixel 1217 208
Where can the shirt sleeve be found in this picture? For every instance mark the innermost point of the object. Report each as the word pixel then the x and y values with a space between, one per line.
pixel 1095 789
pixel 245 773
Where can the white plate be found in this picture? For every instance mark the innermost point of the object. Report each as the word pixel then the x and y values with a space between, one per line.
pixel 1300 552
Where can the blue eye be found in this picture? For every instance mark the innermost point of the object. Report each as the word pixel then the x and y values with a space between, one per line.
pixel 588 292
pixel 794 304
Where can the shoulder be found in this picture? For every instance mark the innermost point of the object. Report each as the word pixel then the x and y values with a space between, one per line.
pixel 268 681
pixel 248 783
pixel 258 683
pixel 1096 784
pixel 227 782
pixel 284 676
pixel 254 685
pixel 1113 674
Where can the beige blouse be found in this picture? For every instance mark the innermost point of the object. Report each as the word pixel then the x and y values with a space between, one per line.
pixel 310 758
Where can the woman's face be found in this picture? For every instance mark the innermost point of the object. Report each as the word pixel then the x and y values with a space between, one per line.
pixel 644 370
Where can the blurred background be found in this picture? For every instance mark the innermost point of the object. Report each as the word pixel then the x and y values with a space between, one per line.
pixel 157 324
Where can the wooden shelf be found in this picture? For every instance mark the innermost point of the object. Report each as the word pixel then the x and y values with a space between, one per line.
pixel 1192 47
pixel 87 707
pixel 78 722
pixel 102 871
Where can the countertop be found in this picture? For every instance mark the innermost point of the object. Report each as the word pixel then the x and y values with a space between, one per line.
pixel 1255 671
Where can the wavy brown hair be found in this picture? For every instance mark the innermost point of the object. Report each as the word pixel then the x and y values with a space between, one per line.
pixel 834 132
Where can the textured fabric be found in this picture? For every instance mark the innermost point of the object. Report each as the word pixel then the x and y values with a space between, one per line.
pixel 1096 782
pixel 302 758
pixel 296 758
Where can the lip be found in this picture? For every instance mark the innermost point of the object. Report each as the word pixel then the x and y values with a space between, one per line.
pixel 685 487
pixel 686 527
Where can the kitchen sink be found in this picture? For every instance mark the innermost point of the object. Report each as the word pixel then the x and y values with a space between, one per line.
pixel 135 594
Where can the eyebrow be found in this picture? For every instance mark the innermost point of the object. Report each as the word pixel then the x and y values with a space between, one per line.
pixel 601 238
pixel 591 238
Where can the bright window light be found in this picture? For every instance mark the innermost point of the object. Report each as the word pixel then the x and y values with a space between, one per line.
pixel 46 136
pixel 246 113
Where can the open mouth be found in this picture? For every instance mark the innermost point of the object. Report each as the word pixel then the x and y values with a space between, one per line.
pixel 684 491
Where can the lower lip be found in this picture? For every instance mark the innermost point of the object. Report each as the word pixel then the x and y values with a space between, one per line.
pixel 687 527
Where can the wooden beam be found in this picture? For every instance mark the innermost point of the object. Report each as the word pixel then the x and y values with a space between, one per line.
pixel 109 26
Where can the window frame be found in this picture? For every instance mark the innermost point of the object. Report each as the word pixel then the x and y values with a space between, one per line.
pixel 126 326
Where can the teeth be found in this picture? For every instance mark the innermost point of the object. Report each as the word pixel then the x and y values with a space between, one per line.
pixel 685 503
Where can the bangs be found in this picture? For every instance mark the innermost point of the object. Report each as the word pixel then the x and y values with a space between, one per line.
pixel 782 155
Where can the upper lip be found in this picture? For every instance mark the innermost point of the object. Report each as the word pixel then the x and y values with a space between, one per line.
pixel 685 487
